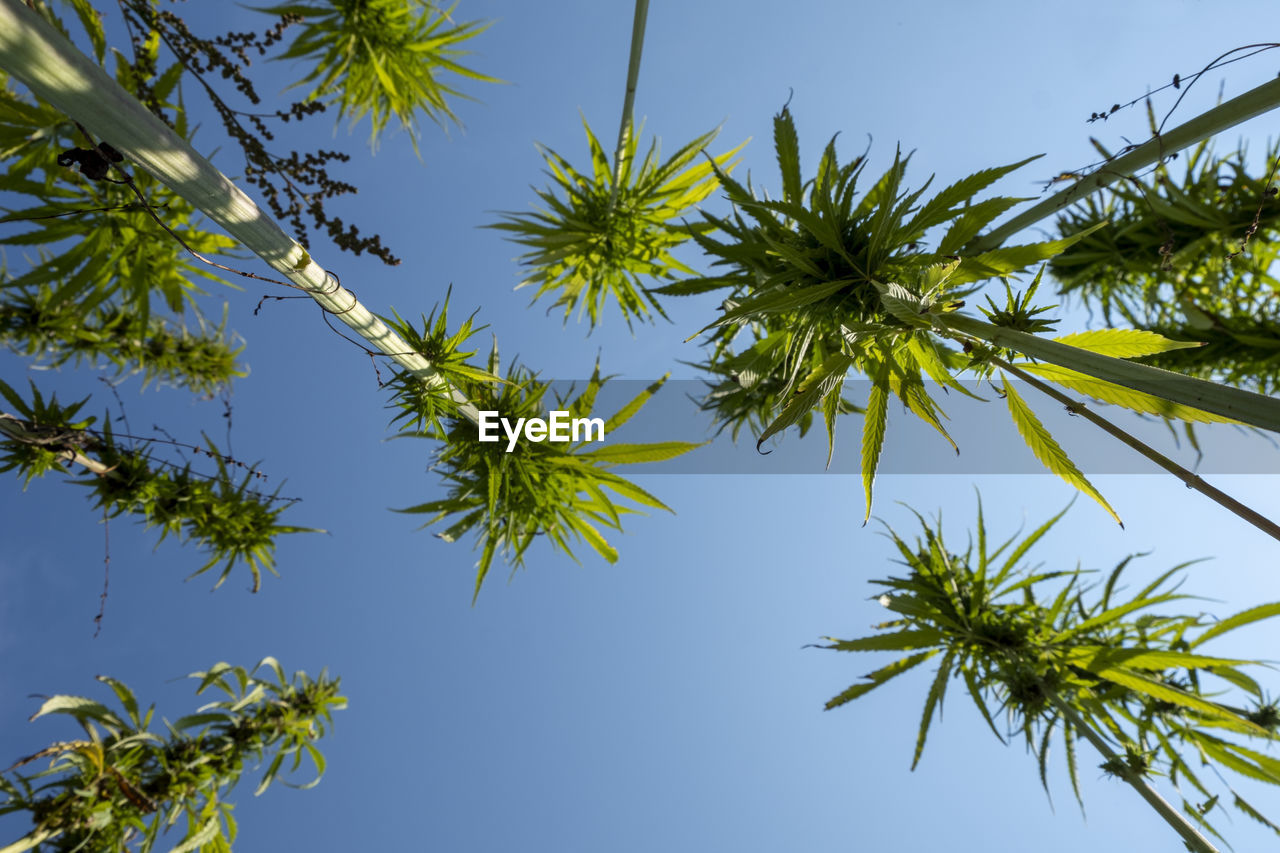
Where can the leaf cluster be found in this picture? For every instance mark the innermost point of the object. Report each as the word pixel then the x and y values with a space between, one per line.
pixel 1058 656
pixel 566 492
pixel 36 324
pixel 824 280
pixel 232 522
pixel 1191 259
pixel 123 786
pixel 382 58
pixel 422 403
pixel 602 234
pixel 103 261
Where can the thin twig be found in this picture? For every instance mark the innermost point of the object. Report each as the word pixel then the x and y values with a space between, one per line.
pixel 106 572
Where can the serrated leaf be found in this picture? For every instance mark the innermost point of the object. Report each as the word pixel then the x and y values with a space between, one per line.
pixel 630 454
pixel 898 641
pixel 1244 617
pixel 904 305
pixel 1119 395
pixel 1148 686
pixel 826 379
pixel 1250 811
pixel 937 691
pixel 880 676
pixel 1124 343
pixel 787 147
pixel 1047 450
pixel 874 420
pixel 1101 659
pixel 625 414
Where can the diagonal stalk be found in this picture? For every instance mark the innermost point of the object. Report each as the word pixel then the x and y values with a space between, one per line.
pixel 626 127
pixel 55 71
pixel 1235 403
pixel 1235 111
pixel 16 429
pixel 1192 480
pixel 1194 840
pixel 32 839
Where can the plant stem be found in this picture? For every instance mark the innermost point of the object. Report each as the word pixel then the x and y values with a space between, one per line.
pixel 19 430
pixel 1223 400
pixel 1195 841
pixel 32 839
pixel 56 72
pixel 1192 480
pixel 628 102
pixel 1239 109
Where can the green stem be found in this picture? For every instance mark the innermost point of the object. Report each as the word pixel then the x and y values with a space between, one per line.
pixel 31 839
pixel 1239 109
pixel 1223 400
pixel 59 74
pixel 629 100
pixel 1195 841
pixel 1191 480
pixel 18 430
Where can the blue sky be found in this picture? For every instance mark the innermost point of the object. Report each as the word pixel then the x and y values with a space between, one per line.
pixel 663 703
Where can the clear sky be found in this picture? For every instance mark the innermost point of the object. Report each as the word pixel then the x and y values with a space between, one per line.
pixel 665 702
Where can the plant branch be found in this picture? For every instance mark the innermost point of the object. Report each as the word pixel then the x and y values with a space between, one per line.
pixel 1235 111
pixel 1192 480
pixel 1223 400
pixel 1195 841
pixel 30 840
pixel 55 71
pixel 627 124
pixel 19 431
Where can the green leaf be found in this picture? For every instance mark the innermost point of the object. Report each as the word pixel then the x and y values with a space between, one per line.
pixel 904 305
pixel 1119 395
pixel 126 697
pixel 826 379
pixel 80 708
pixel 1148 686
pixel 1123 343
pixel 880 676
pixel 937 691
pixel 1244 617
pixel 630 454
pixel 207 832
pixel 787 146
pixel 1102 659
pixel 874 421
pixel 899 641
pixel 625 414
pixel 1047 450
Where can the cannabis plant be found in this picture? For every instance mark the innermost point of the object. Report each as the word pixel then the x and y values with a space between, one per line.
pixel 1189 259
pixel 234 523
pixel 605 233
pixel 382 58
pixel 1060 658
pixel 821 282
pixel 124 787
pixel 508 495
pixel 105 263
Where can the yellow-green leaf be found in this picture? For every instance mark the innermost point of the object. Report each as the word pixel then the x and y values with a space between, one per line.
pixel 1119 395
pixel 1050 454
pixel 1123 343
